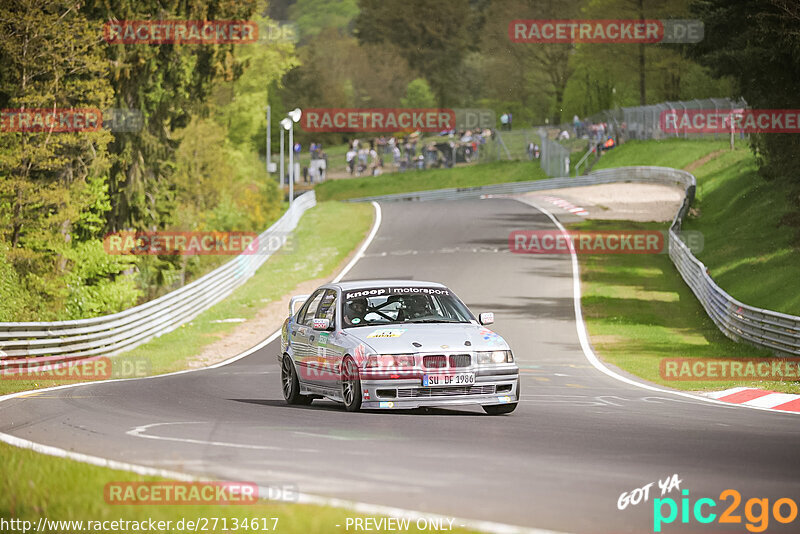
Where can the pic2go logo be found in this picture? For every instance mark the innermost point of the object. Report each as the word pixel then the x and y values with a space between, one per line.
pixel 756 511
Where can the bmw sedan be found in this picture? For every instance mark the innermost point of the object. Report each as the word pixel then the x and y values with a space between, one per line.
pixel 394 344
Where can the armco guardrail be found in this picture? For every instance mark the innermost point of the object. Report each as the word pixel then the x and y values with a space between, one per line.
pixel 64 341
pixel 740 322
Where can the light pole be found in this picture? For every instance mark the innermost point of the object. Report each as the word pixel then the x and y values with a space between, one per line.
pixel 286 123
pixel 292 117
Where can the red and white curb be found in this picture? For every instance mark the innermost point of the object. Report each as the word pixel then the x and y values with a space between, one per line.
pixel 566 205
pixel 759 398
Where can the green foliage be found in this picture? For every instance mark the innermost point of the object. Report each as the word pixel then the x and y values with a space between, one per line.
pixel 14 297
pixel 418 95
pixel 97 283
pixel 312 16
pixel 757 43
pixel 433 37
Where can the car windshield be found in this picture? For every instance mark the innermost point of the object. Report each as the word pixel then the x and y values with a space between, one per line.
pixel 393 305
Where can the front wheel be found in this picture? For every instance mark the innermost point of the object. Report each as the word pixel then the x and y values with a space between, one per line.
pixel 351 385
pixel 291 385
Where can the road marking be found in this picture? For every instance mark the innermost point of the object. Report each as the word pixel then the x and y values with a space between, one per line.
pixel 375 225
pixel 583 335
pixel 139 432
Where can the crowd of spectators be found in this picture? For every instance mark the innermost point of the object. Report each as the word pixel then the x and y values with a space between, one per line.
pixel 413 152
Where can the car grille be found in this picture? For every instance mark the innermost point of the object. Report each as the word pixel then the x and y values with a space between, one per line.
pixel 436 361
pixel 460 360
pixel 447 391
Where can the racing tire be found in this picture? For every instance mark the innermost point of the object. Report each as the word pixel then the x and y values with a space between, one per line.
pixel 290 384
pixel 351 385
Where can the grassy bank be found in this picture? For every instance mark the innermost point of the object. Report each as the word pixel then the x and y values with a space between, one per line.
pixel 466 176
pixel 316 248
pixel 639 310
pixel 35 486
pixel 677 153
pixel 748 251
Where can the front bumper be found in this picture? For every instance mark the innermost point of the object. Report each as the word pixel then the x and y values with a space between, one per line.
pixel 498 386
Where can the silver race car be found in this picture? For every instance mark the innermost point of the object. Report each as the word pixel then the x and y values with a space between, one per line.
pixel 393 344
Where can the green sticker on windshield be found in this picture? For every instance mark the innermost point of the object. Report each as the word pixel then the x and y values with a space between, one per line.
pixel 356 320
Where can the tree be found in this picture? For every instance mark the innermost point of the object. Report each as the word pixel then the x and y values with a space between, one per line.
pixel 168 83
pixel 50 61
pixel 756 42
pixel 433 36
pixel 418 95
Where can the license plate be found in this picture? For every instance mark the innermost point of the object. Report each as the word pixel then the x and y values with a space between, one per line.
pixel 458 379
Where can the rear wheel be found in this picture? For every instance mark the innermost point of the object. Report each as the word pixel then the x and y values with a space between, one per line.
pixel 290 384
pixel 351 385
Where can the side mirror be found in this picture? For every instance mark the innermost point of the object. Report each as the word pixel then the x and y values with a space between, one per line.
pixel 321 324
pixel 486 318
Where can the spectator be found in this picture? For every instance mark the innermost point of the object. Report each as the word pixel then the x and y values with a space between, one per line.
pixel 350 157
pixel 510 119
pixel 297 148
pixel 530 150
pixel 504 121
pixel 363 153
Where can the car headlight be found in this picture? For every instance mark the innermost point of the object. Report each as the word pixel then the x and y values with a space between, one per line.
pixel 496 356
pixel 390 360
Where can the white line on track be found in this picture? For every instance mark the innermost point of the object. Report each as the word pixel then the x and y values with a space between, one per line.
pixel 583 336
pixel 140 432
pixel 358 507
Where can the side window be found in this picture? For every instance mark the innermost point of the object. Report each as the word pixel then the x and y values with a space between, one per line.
pixel 327 307
pixel 310 308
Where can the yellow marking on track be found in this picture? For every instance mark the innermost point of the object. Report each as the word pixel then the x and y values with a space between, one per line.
pixel 575 386
pixel 541 378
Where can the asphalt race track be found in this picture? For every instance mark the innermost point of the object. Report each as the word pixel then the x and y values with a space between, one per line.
pixel 577 441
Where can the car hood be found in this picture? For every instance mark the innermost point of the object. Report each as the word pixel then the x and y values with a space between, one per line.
pixel 400 338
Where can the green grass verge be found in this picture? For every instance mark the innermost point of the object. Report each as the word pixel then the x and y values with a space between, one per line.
pixel 325 236
pixel 676 153
pixel 406 182
pixel 639 310
pixel 748 252
pixel 35 486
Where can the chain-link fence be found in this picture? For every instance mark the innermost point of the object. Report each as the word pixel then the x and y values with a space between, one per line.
pixel 648 122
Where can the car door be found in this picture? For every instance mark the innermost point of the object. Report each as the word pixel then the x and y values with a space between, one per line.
pixel 322 343
pixel 301 336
